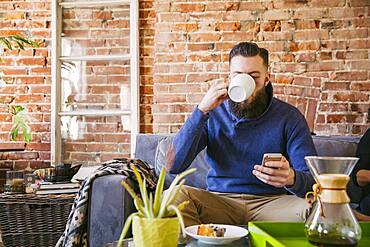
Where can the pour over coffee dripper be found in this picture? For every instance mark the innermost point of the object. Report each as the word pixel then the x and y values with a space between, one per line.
pixel 331 221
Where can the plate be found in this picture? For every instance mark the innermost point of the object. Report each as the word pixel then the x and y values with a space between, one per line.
pixel 232 233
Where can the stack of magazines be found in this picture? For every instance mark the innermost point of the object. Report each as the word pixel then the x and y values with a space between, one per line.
pixel 57 188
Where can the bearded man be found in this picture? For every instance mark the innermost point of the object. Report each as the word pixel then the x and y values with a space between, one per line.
pixel 237 135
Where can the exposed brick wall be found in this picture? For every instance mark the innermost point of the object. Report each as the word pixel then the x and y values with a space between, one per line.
pixel 319 52
pixel 28 77
pixel 319 62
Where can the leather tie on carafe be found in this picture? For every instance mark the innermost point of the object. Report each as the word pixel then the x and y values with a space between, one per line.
pixel 315 193
pixel 317 196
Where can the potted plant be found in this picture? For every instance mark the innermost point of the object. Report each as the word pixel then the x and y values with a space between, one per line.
pixel 157 221
pixel 19 114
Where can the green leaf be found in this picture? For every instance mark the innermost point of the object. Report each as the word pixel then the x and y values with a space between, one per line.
pixel 126 228
pixel 6 42
pixel 179 216
pixel 20 122
pixel 14 133
pixel 158 192
pixel 168 194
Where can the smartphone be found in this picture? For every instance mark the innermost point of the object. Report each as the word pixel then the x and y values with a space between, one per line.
pixel 271 157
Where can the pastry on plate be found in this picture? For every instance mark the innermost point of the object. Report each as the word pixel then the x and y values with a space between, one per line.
pixel 211 230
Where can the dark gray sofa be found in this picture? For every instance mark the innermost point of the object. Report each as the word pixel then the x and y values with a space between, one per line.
pixel 110 204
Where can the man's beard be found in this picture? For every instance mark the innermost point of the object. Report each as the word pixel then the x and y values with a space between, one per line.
pixel 252 107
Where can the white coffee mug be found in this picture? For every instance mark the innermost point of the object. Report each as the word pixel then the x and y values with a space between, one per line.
pixel 241 87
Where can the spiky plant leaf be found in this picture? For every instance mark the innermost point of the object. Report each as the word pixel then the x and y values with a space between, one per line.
pixel 125 229
pixel 168 193
pixel 179 216
pixel 158 192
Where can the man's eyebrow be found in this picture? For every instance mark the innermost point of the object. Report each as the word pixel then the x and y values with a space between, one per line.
pixel 242 72
pixel 254 72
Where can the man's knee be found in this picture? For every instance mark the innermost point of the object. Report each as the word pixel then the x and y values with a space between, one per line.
pixel 184 193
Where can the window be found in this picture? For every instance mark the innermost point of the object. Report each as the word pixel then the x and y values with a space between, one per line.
pixel 95 96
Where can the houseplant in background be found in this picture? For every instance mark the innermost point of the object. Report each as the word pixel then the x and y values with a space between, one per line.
pixel 19 114
pixel 157 222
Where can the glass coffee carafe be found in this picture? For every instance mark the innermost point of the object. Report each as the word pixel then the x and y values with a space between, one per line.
pixel 331 221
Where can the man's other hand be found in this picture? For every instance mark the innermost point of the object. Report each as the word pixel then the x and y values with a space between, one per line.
pixel 363 177
pixel 276 173
pixel 216 94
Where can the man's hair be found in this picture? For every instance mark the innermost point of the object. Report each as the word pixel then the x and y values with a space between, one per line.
pixel 248 49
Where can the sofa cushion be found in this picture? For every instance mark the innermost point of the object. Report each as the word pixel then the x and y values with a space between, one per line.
pixel 196 179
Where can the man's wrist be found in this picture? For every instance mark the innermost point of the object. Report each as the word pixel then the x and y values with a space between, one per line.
pixel 291 180
pixel 204 111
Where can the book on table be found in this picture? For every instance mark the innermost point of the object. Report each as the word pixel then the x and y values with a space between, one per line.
pixel 50 186
pixel 58 188
pixel 57 191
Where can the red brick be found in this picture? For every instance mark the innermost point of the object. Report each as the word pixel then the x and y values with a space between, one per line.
pixel 360 86
pixel 345 12
pixel 311 35
pixel 222 6
pixel 227 26
pixel 309 24
pixel 193 47
pixel 359 3
pixel 277 15
pixel 277 36
pixel 290 4
pixel 325 55
pixel 352 55
pixel 188 7
pixel 308 45
pixel 335 86
pixel 351 97
pixel 327 3
pixel 333 107
pixel 334 44
pixel 188 27
pixel 359 64
pixel 336 118
pixel 310 13
pixel 275 46
pixel 205 37
pixel 252 6
pixel 306 57
pixel 204 58
pixel 325 66
pixel 239 15
pixel 169 98
pixel 238 36
pixel 359 44
pixel 14 15
pixel 283 79
pixel 169 118
pixel 271 26
pixel 23 155
pixel 302 81
pixel 350 75
pixel 345 34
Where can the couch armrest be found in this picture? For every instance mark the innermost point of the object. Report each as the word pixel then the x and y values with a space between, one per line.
pixel 109 206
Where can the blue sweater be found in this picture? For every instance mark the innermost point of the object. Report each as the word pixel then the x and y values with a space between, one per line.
pixel 235 145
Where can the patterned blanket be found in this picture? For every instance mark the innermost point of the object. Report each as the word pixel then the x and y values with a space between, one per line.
pixel 75 233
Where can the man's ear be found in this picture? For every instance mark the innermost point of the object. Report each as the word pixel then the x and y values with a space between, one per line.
pixel 267 79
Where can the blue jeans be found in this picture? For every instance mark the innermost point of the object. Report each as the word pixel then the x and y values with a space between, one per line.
pixel 365 205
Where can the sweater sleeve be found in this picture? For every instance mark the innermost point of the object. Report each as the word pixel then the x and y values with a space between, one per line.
pixel 362 152
pixel 299 145
pixel 189 141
